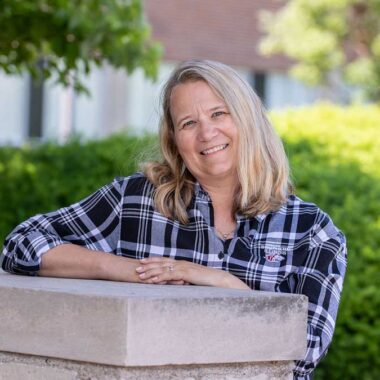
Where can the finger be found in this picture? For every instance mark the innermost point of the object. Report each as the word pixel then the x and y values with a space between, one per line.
pixel 150 282
pixel 155 260
pixel 164 273
pixel 149 266
pixel 168 277
pixel 177 282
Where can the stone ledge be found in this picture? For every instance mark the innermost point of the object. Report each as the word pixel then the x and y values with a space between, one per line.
pixel 23 367
pixel 148 325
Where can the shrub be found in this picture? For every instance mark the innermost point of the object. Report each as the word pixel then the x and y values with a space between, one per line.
pixel 41 179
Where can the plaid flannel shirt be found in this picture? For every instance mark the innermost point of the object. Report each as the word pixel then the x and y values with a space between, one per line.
pixel 296 249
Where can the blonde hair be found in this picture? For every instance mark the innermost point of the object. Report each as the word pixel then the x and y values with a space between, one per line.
pixel 263 169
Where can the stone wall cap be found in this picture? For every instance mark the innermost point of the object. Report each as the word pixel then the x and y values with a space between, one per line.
pixel 127 290
pixel 129 324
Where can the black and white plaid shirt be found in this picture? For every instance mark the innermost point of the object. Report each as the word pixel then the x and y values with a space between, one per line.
pixel 294 250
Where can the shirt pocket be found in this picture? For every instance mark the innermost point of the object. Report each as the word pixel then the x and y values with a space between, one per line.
pixel 267 261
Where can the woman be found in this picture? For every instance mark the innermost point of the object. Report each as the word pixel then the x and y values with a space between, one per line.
pixel 218 210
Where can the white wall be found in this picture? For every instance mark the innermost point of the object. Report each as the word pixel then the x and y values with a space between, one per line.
pixel 57 115
pixel 14 109
pixel 117 103
pixel 143 98
pixel 283 91
pixel 103 111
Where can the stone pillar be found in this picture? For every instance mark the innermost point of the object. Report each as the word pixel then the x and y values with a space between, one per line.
pixel 83 329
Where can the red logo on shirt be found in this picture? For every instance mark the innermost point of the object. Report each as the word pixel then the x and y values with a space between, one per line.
pixel 274 255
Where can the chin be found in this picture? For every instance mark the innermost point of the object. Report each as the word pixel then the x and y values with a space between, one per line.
pixel 221 173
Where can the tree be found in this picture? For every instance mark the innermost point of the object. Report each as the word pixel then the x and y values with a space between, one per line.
pixel 325 36
pixel 60 38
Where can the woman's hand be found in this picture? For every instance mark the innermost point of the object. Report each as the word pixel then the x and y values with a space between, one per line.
pixel 162 270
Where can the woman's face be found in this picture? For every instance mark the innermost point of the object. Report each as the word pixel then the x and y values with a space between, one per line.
pixel 204 132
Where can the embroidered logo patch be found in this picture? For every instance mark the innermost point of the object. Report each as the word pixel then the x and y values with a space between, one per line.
pixel 274 254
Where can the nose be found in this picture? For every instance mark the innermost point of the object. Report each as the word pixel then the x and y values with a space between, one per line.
pixel 207 130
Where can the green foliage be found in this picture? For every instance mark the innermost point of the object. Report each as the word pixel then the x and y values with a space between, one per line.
pixel 63 37
pixel 334 155
pixel 328 35
pixel 34 180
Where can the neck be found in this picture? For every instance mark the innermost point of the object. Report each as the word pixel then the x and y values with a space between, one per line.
pixel 221 194
pixel 220 187
pixel 223 203
pixel 223 198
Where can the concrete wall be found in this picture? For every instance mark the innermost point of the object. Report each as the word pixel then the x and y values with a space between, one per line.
pixel 70 329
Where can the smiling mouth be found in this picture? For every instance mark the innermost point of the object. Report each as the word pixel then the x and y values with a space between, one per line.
pixel 214 149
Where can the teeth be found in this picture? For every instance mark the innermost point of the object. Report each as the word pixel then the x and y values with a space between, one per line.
pixel 215 149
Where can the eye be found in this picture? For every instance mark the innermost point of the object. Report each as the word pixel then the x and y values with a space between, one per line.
pixel 218 113
pixel 188 124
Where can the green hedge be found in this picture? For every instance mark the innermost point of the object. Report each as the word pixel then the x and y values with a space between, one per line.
pixel 44 178
pixel 335 159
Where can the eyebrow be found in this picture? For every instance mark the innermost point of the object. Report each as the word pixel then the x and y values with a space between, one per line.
pixel 219 106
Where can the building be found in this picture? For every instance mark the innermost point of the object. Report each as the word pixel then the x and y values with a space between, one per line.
pixel 224 30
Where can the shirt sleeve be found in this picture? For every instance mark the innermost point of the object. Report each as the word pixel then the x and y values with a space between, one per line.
pixel 321 279
pixel 93 223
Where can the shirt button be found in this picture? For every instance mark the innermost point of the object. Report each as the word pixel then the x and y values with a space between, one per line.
pixel 220 255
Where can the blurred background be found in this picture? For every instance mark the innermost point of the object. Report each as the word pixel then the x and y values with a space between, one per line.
pixel 53 36
pixel 79 105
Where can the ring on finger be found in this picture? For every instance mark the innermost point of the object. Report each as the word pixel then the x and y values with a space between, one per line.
pixel 170 268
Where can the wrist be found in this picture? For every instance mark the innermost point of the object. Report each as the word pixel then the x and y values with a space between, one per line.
pixel 232 282
pixel 116 268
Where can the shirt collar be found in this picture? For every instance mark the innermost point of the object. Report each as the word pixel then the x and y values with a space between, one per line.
pixel 199 192
pixel 259 217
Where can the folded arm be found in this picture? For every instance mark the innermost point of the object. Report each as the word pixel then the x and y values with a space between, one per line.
pixel 69 242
